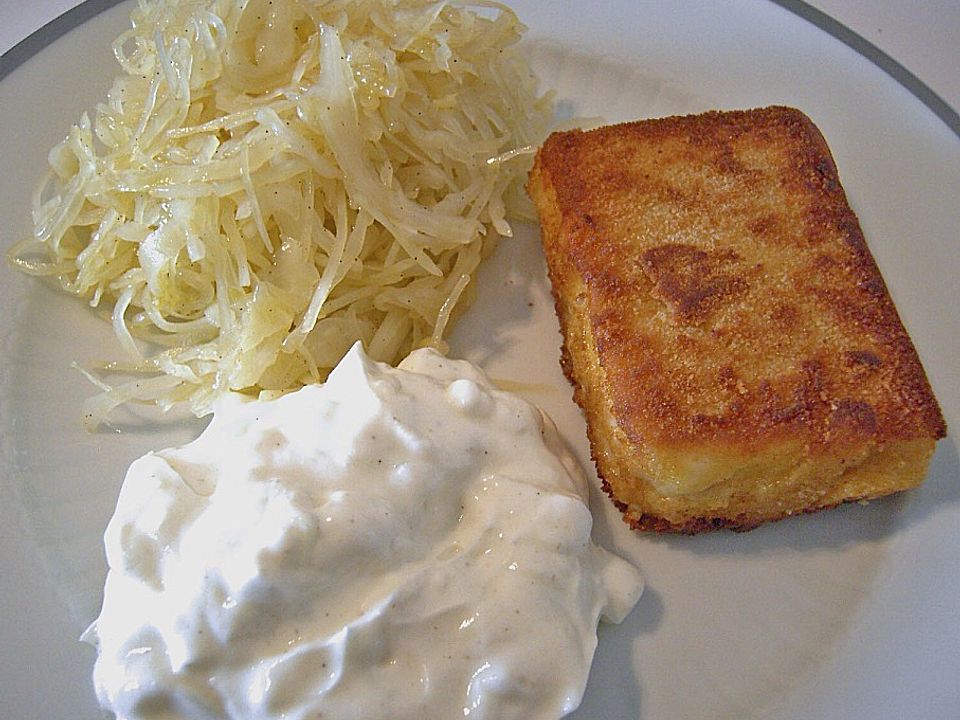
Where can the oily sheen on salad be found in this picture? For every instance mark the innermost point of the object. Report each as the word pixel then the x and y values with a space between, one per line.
pixel 269 181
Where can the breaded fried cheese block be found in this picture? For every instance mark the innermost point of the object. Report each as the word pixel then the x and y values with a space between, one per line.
pixel 728 335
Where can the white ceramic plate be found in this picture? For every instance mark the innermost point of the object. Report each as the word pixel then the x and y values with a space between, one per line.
pixel 848 614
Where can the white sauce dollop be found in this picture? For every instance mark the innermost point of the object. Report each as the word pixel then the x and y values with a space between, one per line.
pixel 397 543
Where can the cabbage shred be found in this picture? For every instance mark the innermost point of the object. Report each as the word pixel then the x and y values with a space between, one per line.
pixel 269 181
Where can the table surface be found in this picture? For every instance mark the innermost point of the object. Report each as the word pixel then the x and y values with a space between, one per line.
pixel 921 36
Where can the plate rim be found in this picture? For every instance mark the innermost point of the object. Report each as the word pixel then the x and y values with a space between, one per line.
pixel 40 38
pixel 107 4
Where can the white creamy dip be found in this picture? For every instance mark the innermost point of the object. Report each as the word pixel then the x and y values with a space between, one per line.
pixel 397 543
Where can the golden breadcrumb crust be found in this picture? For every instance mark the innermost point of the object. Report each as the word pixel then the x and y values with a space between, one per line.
pixel 726 329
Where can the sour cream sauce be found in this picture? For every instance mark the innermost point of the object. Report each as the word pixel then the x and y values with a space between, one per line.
pixel 396 543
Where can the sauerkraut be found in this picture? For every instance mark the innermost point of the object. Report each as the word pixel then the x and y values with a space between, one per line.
pixel 269 181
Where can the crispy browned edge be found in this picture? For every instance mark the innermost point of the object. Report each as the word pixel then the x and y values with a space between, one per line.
pixel 550 162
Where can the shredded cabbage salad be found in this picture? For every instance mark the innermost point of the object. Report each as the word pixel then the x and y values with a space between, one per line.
pixel 269 181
